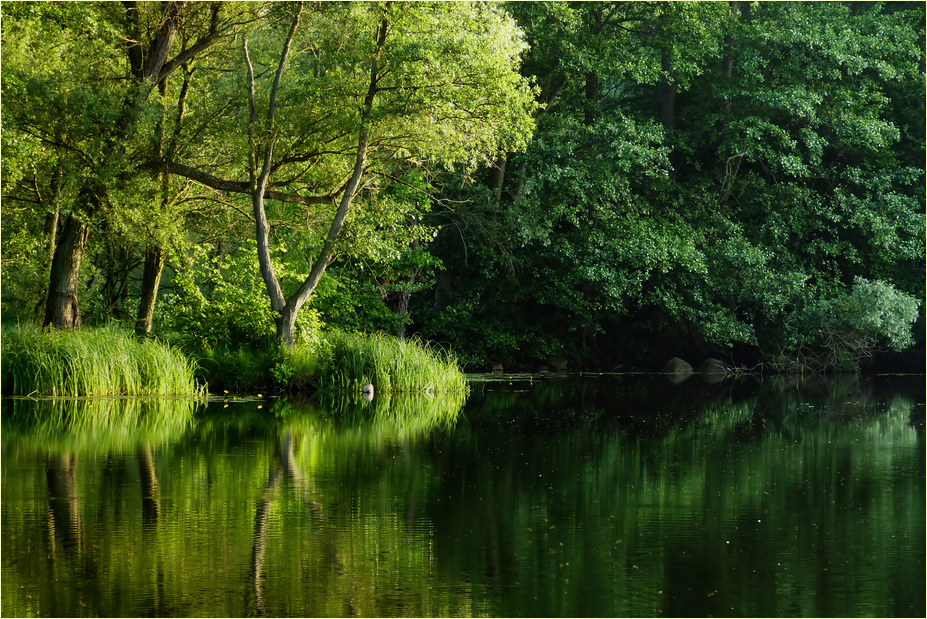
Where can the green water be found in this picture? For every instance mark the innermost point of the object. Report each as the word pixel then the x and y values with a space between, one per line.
pixel 545 496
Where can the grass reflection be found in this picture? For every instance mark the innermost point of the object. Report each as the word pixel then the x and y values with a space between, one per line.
pixel 75 425
pixel 399 417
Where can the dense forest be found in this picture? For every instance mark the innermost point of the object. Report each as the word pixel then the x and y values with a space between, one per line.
pixel 607 183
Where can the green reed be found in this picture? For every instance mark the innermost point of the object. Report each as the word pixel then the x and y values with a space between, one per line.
pixel 87 362
pixel 391 365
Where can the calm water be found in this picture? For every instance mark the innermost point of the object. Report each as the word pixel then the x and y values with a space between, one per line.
pixel 556 496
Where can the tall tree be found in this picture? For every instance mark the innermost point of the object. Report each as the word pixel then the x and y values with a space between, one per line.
pixel 90 100
pixel 343 94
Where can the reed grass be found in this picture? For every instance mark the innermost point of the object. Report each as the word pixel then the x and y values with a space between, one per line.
pixel 391 365
pixel 92 362
pixel 334 362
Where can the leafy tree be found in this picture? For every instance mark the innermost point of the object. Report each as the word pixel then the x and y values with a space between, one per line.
pixel 707 176
pixel 344 94
pixel 80 118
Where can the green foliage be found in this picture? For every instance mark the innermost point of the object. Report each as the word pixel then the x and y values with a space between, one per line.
pixel 383 252
pixel 220 300
pixel 237 368
pixel 25 272
pixel 348 300
pixel 705 175
pixel 481 334
pixel 282 373
pixel 92 362
pixel 839 331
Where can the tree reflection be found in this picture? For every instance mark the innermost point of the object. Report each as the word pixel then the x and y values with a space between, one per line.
pixel 286 467
pixel 58 431
pixel 552 499
pixel 67 536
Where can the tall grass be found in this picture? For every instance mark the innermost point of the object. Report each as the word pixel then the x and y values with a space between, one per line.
pixel 390 364
pixel 98 361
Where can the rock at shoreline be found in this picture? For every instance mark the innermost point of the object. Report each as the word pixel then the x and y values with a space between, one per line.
pixel 677 369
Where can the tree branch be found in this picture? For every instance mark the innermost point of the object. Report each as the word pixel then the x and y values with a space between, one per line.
pixel 258 184
pixel 221 184
pixel 205 42
pixel 298 298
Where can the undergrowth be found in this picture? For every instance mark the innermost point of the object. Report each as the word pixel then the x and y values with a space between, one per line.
pixel 112 361
pixel 335 362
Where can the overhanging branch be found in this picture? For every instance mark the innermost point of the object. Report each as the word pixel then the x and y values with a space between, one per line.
pixel 221 184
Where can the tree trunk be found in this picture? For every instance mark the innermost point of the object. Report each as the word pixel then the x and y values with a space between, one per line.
pixel 497 176
pixel 51 231
pixel 399 303
pixel 61 305
pixel 148 65
pixel 151 279
pixel 286 325
pixel 151 490
pixel 65 519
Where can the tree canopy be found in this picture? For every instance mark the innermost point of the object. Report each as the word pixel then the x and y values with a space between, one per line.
pixel 610 182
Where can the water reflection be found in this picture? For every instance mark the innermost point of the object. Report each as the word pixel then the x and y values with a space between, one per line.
pixel 615 496
pixel 285 467
pixel 94 425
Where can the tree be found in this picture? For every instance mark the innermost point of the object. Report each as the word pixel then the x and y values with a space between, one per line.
pixel 352 92
pixel 88 106
pixel 713 175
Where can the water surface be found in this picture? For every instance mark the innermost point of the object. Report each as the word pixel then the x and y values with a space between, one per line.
pixel 541 496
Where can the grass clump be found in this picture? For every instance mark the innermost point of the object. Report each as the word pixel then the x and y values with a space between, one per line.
pixel 98 361
pixel 391 365
pixel 333 362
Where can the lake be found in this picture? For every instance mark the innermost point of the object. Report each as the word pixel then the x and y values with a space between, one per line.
pixel 554 495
